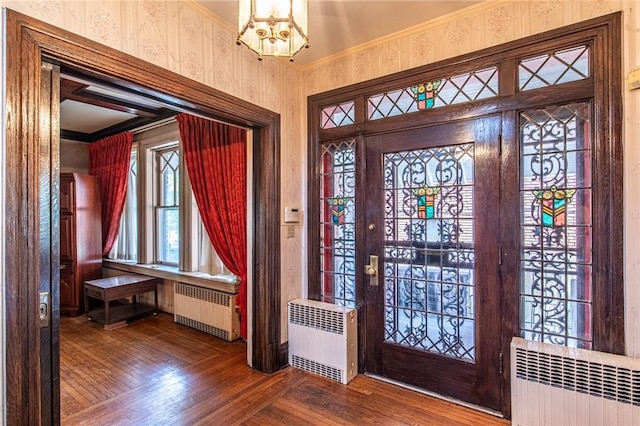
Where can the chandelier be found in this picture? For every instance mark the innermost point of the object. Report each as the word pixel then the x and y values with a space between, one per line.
pixel 273 27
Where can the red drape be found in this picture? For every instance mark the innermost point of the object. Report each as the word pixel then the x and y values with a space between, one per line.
pixel 216 158
pixel 109 160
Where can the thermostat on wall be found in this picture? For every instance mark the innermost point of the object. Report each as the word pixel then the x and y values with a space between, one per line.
pixel 291 215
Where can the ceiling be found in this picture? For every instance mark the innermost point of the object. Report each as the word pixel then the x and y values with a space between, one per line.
pixel 91 109
pixel 338 25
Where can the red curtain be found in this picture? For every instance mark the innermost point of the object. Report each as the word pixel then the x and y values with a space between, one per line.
pixel 216 158
pixel 109 159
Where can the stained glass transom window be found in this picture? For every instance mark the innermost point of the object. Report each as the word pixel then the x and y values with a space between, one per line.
pixel 556 220
pixel 429 250
pixel 337 223
pixel 462 88
pixel 556 68
pixel 337 115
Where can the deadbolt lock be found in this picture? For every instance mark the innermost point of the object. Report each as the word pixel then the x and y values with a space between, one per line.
pixel 372 270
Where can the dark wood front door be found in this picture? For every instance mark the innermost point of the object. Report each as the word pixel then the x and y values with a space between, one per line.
pixel 433 319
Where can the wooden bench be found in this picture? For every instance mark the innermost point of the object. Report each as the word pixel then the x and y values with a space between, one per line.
pixel 114 288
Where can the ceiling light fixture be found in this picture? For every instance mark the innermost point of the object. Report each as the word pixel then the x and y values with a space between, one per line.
pixel 273 27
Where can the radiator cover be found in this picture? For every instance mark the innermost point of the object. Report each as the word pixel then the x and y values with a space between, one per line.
pixel 557 385
pixel 207 310
pixel 323 339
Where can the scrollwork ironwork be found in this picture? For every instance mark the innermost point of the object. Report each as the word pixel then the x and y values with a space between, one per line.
pixel 429 267
pixel 555 245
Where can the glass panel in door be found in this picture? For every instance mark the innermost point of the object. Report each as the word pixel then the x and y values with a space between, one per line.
pixel 429 250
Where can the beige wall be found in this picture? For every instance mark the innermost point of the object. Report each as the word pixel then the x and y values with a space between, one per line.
pixel 74 156
pixel 495 22
pixel 187 39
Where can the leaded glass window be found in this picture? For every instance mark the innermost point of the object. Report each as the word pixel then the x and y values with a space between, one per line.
pixel 555 68
pixel 472 86
pixel 556 225
pixel 429 250
pixel 337 115
pixel 167 206
pixel 337 223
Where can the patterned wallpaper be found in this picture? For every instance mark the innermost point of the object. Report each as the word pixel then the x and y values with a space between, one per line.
pixel 186 38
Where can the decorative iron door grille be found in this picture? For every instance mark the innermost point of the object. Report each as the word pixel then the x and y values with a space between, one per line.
pixel 429 250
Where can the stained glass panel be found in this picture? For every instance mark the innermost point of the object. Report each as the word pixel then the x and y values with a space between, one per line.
pixel 556 218
pixel 555 68
pixel 337 223
pixel 481 84
pixel 429 250
pixel 337 115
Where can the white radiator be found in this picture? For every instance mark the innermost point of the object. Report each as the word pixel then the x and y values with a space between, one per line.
pixel 207 310
pixel 323 339
pixel 556 385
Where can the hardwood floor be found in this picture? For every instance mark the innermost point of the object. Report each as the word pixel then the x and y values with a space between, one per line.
pixel 157 372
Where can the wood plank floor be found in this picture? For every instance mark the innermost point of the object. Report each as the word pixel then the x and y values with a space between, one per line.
pixel 157 372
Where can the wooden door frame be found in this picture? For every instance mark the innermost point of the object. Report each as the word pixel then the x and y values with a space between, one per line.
pixel 29 41
pixel 604 85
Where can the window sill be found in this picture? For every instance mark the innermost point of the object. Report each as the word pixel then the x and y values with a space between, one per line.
pixel 220 282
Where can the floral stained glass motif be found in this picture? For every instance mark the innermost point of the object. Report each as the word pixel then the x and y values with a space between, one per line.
pixel 425 94
pixel 337 209
pixel 458 89
pixel 426 197
pixel 556 220
pixel 429 265
pixel 553 203
pixel 337 223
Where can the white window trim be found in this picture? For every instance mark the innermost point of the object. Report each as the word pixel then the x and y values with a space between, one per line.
pixel 167 136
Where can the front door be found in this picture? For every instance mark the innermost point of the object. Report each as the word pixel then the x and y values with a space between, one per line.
pixel 432 304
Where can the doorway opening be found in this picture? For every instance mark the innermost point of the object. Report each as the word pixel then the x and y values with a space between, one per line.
pixel 31 171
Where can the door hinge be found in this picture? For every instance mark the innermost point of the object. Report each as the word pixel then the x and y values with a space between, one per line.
pixel 500 145
pixel 501 363
pixel 499 254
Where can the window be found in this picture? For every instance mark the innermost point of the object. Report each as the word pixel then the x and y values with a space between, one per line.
pixel 166 206
pixel 338 115
pixel 556 218
pixel 160 222
pixel 467 87
pixel 337 231
pixel 126 245
pixel 560 185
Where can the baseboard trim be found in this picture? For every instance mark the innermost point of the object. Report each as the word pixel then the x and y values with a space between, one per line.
pixel 283 356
